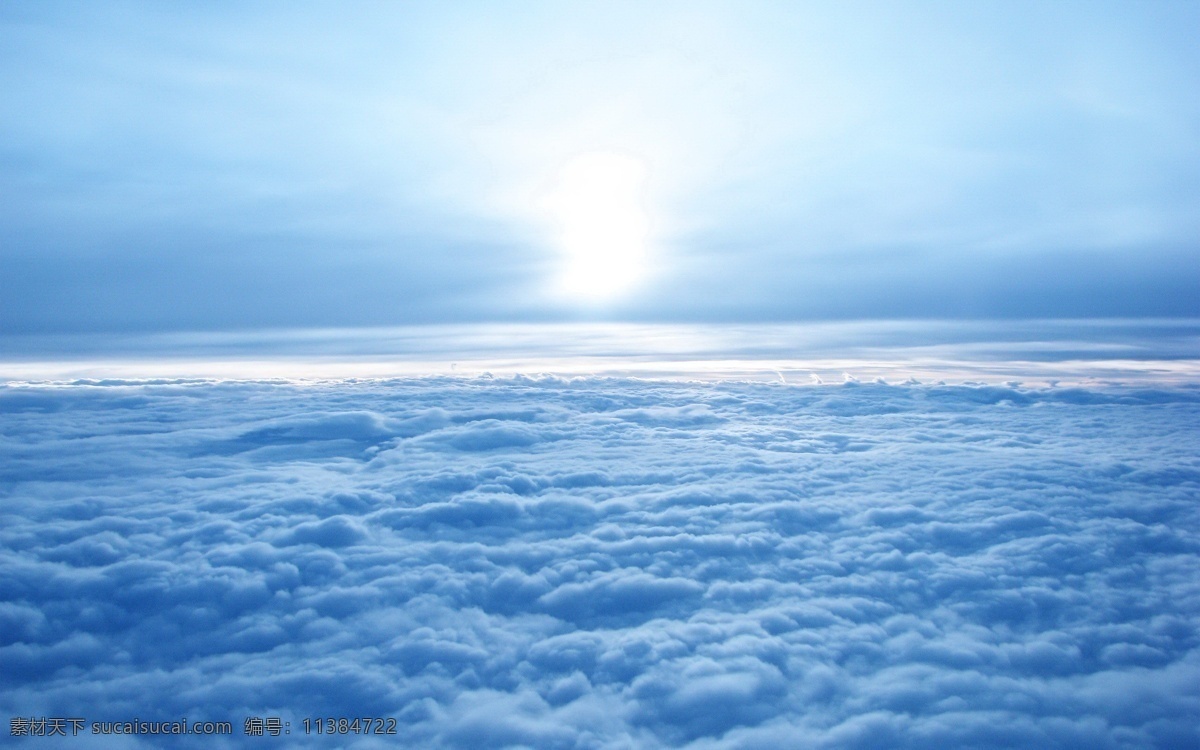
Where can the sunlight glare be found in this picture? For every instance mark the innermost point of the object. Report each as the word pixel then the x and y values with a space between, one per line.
pixel 599 207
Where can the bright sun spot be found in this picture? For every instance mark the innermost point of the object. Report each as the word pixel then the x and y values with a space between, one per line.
pixel 598 205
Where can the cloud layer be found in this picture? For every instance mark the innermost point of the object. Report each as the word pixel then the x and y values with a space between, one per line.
pixel 599 563
pixel 1037 352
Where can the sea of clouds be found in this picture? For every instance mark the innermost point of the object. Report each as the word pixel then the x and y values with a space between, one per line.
pixel 605 562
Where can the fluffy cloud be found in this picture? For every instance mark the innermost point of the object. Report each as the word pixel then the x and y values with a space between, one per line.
pixel 600 563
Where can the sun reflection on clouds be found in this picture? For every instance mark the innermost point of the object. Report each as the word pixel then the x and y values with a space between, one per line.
pixel 1035 353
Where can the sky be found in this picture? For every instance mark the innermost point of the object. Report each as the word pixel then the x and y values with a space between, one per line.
pixel 227 166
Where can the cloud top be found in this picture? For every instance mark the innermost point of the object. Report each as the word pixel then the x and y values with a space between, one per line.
pixel 602 563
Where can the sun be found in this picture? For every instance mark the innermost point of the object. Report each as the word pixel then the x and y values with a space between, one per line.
pixel 599 207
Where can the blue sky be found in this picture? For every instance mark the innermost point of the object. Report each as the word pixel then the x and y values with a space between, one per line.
pixel 220 166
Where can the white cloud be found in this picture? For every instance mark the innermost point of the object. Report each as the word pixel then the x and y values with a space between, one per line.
pixel 608 563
